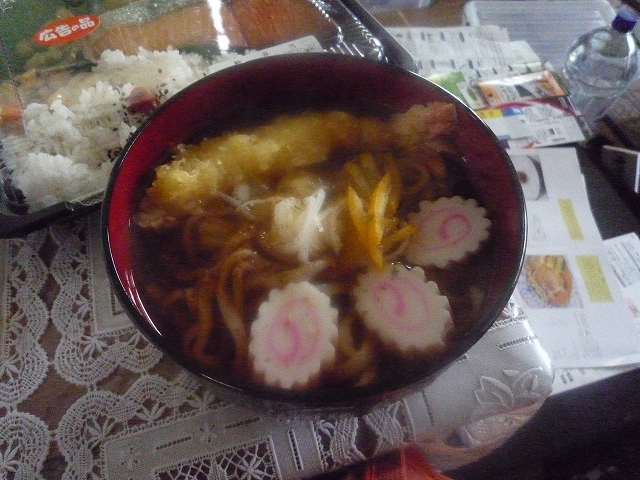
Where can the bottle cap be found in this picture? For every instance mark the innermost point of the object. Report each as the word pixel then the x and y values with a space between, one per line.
pixel 625 20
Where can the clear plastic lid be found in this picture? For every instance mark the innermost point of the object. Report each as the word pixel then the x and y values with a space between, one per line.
pixel 78 77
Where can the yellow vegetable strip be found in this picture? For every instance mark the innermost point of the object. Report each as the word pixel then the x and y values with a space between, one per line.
pixel 398 236
pixel 377 209
pixel 356 212
pixel 369 168
pixel 370 223
pixel 358 180
pixel 395 187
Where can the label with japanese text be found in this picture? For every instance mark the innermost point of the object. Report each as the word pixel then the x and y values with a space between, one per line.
pixel 66 30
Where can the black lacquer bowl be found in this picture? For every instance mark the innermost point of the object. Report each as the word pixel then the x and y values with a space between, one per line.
pixel 290 83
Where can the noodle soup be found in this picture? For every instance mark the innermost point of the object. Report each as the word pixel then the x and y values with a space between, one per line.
pixel 292 254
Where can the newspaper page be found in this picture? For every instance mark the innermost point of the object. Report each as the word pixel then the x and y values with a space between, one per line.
pixel 568 287
pixel 472 50
pixel 466 61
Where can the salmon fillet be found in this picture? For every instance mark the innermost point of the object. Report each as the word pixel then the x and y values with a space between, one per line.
pixel 264 23
pixel 192 25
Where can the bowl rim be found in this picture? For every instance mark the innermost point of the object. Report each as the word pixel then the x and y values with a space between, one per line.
pixel 274 399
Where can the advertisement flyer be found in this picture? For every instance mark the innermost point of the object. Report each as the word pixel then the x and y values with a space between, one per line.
pixel 568 287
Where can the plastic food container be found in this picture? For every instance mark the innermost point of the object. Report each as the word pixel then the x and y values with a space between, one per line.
pixel 390 5
pixel 78 77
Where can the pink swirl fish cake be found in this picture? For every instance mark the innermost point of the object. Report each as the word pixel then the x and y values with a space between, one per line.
pixel 403 309
pixel 294 336
pixel 448 230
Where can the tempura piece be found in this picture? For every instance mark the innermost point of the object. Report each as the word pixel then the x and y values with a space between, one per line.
pixel 220 163
pixel 448 230
pixel 183 186
pixel 294 336
pixel 405 310
pixel 423 122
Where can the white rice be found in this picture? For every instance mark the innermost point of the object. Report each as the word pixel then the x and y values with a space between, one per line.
pixel 70 145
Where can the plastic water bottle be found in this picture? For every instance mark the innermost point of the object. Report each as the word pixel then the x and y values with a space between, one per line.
pixel 600 64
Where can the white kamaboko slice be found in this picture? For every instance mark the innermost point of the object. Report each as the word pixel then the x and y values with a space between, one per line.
pixel 448 230
pixel 405 310
pixel 293 336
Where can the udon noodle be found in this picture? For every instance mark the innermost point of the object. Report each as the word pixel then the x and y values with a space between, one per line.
pixel 292 253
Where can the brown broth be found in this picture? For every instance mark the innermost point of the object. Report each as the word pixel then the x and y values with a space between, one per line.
pixel 170 262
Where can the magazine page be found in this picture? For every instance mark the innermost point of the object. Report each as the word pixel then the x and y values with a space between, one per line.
pixel 567 287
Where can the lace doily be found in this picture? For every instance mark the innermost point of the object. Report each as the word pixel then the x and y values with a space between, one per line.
pixel 82 391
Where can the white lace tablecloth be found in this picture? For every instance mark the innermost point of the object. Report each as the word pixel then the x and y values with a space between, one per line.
pixel 84 395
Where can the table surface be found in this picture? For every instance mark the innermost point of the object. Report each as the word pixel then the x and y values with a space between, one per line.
pixel 84 395
pixel 591 431
pixel 439 14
